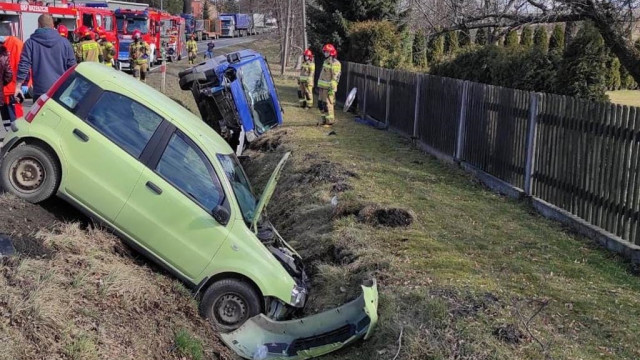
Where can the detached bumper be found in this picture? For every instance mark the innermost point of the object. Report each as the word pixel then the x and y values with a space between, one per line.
pixel 263 338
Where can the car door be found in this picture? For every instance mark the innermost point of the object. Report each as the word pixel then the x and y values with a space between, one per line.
pixel 102 141
pixel 169 211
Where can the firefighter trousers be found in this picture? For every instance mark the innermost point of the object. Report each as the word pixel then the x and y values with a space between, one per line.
pixel 140 71
pixel 305 94
pixel 192 56
pixel 326 101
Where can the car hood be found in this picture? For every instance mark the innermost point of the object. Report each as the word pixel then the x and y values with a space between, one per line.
pixel 268 192
pixel 305 338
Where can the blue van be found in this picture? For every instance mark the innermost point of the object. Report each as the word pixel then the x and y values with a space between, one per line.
pixel 236 96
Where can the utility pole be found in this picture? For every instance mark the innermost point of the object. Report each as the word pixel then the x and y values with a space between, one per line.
pixel 285 52
pixel 305 42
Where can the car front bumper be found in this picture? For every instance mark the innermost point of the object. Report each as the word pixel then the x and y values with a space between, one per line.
pixel 315 335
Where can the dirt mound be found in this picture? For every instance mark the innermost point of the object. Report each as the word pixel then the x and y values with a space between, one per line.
pixel 268 142
pixel 391 217
pixel 509 333
pixel 90 297
pixel 326 171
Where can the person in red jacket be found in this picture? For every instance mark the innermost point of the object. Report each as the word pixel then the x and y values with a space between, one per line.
pixel 6 76
pixel 14 48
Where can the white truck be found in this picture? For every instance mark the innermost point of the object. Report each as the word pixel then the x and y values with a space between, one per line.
pixel 258 24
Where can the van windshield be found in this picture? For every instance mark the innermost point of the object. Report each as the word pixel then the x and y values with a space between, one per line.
pixel 240 184
pixel 258 96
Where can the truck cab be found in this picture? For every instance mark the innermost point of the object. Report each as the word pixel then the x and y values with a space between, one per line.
pixel 127 21
pixel 228 25
pixel 236 96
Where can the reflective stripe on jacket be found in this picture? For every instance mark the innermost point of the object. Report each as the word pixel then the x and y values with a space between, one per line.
pixel 330 74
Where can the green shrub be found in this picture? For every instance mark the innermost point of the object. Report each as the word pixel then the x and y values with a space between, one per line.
pixel 451 42
pixel 526 38
pixel 375 43
pixel 481 37
pixel 613 73
pixel 541 39
pixel 511 40
pixel 436 49
pixel 556 43
pixel 420 50
pixel 464 38
pixel 584 67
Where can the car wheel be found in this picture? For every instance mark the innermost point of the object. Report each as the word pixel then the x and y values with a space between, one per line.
pixel 228 303
pixel 31 173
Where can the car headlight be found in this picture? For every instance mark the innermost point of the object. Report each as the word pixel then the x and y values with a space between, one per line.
pixel 298 296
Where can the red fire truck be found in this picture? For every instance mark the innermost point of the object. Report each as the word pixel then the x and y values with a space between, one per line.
pixel 171 37
pixel 150 23
pixel 21 20
pixel 93 17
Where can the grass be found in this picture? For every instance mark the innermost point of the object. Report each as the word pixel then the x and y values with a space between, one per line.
pixel 471 265
pixel 187 345
pixel 625 97
pixel 466 279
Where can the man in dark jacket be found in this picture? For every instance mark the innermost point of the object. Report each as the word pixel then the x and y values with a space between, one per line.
pixel 47 54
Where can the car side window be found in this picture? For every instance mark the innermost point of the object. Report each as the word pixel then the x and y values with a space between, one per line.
pixel 127 123
pixel 185 166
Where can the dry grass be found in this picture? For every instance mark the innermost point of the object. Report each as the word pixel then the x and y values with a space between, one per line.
pixel 91 298
pixel 625 97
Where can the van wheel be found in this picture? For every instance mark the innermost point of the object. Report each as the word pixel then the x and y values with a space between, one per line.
pixel 31 173
pixel 228 303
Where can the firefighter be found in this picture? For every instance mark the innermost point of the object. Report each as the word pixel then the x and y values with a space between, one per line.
pixel 192 48
pixel 106 48
pixel 139 56
pixel 63 31
pixel 328 84
pixel 87 49
pixel 305 80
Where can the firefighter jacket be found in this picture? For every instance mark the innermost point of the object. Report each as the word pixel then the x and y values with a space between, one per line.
pixel 14 47
pixel 88 50
pixel 139 52
pixel 108 50
pixel 307 72
pixel 192 46
pixel 330 74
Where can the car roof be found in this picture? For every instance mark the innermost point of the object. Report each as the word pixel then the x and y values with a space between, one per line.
pixel 191 124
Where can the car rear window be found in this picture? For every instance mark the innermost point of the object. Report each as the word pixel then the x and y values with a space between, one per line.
pixel 73 91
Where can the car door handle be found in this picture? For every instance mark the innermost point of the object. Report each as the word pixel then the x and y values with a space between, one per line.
pixel 80 135
pixel 154 187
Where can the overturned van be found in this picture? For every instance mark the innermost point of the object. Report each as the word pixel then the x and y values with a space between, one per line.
pixel 236 96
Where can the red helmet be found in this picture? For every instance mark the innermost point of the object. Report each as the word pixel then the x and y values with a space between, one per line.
pixel 63 30
pixel 136 34
pixel 102 34
pixel 83 31
pixel 308 53
pixel 330 49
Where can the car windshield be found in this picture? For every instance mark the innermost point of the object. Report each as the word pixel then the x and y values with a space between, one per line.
pixel 240 184
pixel 132 24
pixel 258 96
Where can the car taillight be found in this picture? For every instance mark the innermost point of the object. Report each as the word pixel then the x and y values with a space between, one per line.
pixel 44 97
pixel 36 107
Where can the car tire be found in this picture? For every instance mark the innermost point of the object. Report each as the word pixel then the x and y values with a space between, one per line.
pixel 39 173
pixel 187 79
pixel 228 303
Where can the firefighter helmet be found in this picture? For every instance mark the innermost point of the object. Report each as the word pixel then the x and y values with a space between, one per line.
pixel 136 34
pixel 63 30
pixel 330 49
pixel 84 31
pixel 308 53
pixel 102 34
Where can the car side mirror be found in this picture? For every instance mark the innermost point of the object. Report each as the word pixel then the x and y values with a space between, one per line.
pixel 221 215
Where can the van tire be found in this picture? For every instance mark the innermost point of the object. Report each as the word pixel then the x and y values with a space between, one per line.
pixel 35 162
pixel 228 303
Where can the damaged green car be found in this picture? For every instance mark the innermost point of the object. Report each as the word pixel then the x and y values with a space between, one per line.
pixel 171 187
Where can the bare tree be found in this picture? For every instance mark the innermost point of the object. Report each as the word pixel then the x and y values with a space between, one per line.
pixel 614 19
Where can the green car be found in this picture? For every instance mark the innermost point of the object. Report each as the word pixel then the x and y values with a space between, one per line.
pixel 169 185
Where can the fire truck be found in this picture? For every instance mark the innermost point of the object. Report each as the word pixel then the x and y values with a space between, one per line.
pixel 150 23
pixel 98 15
pixel 172 33
pixel 21 20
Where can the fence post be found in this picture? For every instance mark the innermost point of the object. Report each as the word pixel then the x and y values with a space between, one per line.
pixel 364 95
pixel 388 103
pixel 348 76
pixel 531 142
pixel 462 121
pixel 417 106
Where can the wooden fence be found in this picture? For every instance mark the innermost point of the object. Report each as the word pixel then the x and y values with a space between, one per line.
pixel 581 156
